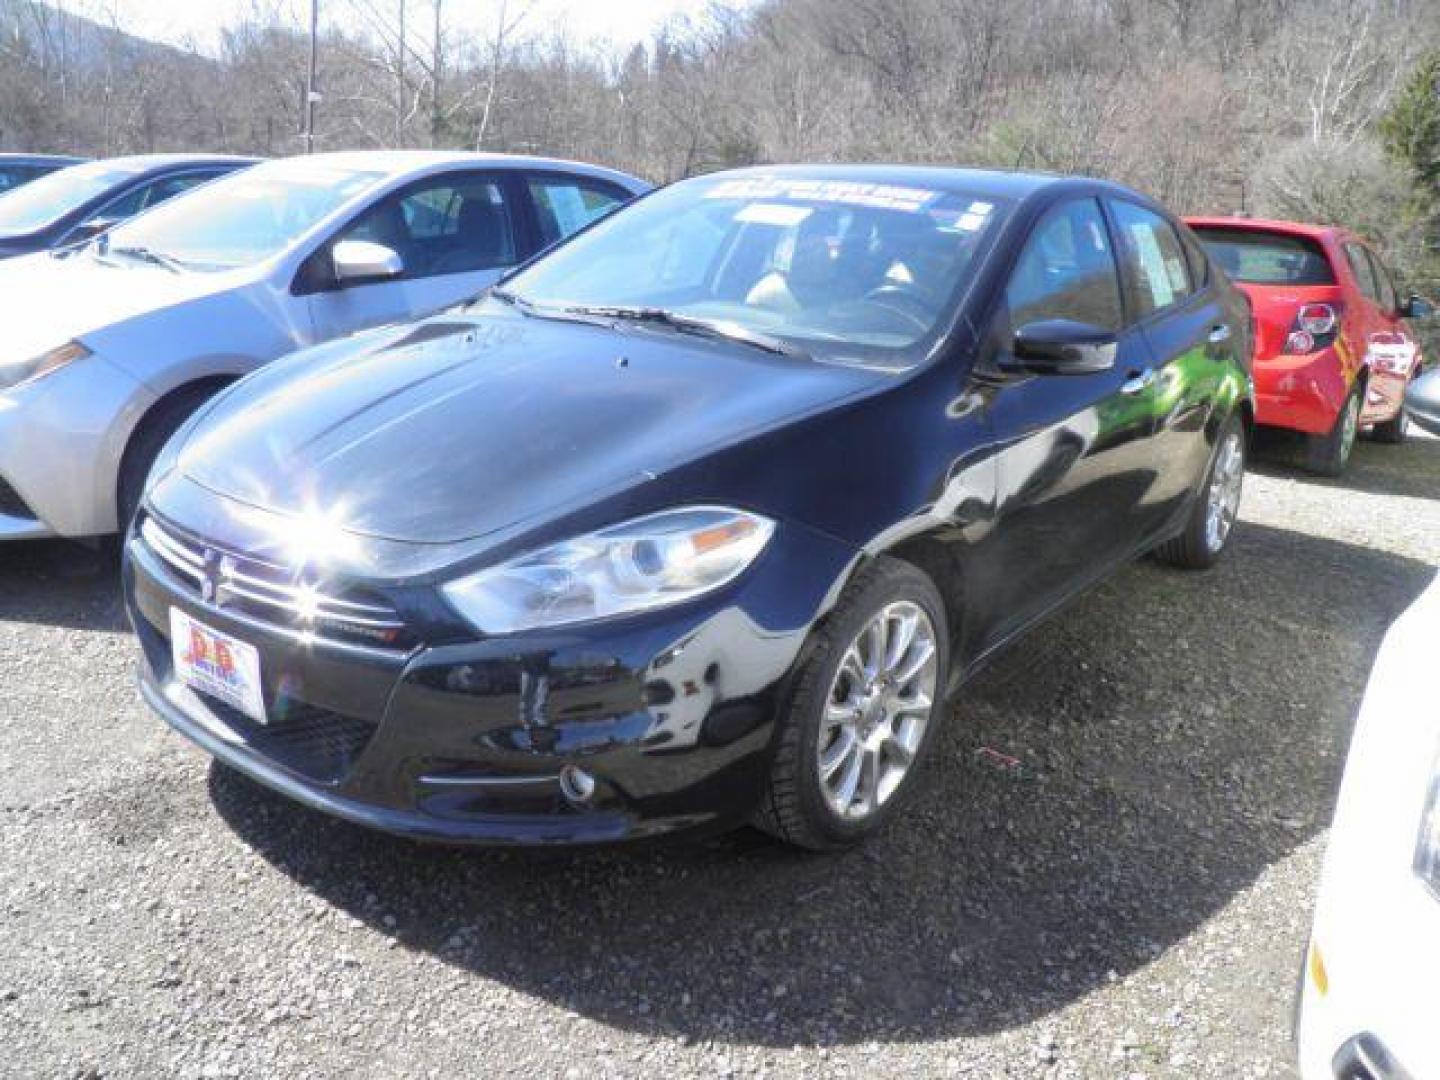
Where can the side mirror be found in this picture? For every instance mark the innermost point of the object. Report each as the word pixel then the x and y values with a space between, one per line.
pixel 1064 347
pixel 359 261
pixel 1422 402
pixel 1417 307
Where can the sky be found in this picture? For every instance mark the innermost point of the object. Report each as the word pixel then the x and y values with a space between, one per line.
pixel 616 22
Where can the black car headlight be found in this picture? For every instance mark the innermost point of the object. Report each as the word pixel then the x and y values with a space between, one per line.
pixel 648 563
pixel 17 373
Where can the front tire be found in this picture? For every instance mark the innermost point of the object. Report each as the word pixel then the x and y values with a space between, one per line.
pixel 863 712
pixel 1212 519
pixel 1392 431
pixel 145 446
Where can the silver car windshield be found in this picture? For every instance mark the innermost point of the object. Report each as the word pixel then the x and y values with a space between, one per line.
pixel 842 270
pixel 45 201
pixel 246 217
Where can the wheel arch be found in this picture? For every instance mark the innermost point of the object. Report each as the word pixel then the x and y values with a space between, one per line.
pixel 204 387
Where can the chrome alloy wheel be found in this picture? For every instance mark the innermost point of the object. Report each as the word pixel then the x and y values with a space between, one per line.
pixel 877 710
pixel 1351 428
pixel 1223 501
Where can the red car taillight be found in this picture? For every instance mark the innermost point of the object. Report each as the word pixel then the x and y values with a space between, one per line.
pixel 1316 326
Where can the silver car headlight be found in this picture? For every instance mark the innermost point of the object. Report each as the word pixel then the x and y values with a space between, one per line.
pixel 17 372
pixel 1427 848
pixel 648 563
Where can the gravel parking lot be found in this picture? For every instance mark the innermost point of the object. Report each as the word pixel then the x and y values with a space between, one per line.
pixel 1130 899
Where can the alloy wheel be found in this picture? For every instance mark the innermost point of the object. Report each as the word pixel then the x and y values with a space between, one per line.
pixel 877 710
pixel 1351 427
pixel 1226 482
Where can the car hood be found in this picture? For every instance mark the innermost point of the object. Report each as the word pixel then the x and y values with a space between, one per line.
pixel 459 427
pixel 51 301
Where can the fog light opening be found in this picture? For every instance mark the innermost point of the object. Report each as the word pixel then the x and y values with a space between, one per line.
pixel 576 784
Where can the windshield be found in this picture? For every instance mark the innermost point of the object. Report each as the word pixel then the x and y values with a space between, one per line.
pixel 843 270
pixel 1262 258
pixel 246 217
pixel 45 201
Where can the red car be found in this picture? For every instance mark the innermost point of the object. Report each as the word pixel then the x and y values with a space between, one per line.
pixel 1332 351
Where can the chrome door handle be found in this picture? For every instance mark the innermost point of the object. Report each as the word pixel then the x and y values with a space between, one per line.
pixel 1219 334
pixel 1138 382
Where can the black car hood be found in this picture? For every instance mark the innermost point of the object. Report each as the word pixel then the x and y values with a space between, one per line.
pixel 459 427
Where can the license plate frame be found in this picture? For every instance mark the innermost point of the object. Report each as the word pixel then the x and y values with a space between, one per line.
pixel 218 664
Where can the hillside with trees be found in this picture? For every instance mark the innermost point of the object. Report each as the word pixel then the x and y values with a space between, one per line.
pixel 1320 109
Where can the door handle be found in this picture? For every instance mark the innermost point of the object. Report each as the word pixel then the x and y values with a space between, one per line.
pixel 1219 334
pixel 1138 381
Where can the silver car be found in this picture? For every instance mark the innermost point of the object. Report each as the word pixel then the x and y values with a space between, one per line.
pixel 108 348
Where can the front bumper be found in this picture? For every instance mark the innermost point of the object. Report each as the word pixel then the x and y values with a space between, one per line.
pixel 672 715
pixel 61 440
pixel 1302 393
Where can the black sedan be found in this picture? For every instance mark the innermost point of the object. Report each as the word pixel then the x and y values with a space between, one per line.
pixel 17 170
pixel 697 518
pixel 78 203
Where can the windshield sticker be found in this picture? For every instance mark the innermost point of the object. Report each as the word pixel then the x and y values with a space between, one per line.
pixel 840 192
pixel 781 214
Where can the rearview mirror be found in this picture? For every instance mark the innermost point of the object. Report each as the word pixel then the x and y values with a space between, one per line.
pixel 1422 402
pixel 1417 307
pixel 360 261
pixel 1064 347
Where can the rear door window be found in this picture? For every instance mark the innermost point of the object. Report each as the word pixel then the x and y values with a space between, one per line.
pixel 1254 257
pixel 565 205
pixel 1157 274
pixel 1363 271
pixel 1384 284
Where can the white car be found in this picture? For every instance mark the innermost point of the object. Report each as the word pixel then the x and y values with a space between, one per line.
pixel 106 349
pixel 1368 988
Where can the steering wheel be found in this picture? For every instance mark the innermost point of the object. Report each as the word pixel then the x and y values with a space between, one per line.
pixel 904 301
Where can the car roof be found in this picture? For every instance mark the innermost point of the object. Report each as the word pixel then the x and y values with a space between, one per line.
pixel 1287 228
pixel 399 162
pixel 998 183
pixel 41 159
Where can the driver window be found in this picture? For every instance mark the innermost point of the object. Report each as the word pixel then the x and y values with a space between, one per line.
pixel 1067 270
pixel 450 225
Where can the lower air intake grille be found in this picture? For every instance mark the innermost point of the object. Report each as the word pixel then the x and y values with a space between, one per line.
pixel 316 743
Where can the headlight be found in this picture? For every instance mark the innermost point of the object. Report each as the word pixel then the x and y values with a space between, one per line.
pixel 1427 849
pixel 648 563
pixel 15 373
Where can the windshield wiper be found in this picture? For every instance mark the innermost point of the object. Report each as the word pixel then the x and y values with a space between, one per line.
pixel 689 324
pixel 144 254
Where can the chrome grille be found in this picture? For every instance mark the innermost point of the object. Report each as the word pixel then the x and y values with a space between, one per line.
pixel 275 593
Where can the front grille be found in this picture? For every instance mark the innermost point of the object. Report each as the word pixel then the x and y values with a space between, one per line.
pixel 276 594
pixel 12 505
pixel 316 743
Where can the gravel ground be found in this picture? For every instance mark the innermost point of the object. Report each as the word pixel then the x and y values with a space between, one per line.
pixel 1128 900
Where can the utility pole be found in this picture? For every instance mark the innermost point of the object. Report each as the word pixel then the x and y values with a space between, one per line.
pixel 310 94
pixel 400 82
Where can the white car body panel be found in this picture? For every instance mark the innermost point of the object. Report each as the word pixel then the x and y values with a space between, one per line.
pixel 1377 925
pixel 153 331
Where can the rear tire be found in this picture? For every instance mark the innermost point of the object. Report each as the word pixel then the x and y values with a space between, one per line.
pixel 854 709
pixel 1328 454
pixel 145 445
pixel 1212 517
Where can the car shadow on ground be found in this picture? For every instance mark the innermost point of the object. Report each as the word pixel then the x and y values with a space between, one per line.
pixel 1411 470
pixel 1172 736
pixel 61 583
